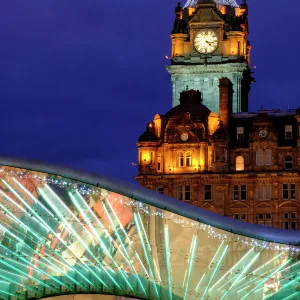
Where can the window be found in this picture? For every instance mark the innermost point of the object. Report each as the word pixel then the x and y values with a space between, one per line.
pixel 240 192
pixel 268 157
pixel 289 220
pixel 288 162
pixel 240 133
pixel 159 162
pixel 184 160
pixel 207 192
pixel 268 192
pixel 184 193
pixel 259 157
pixel 289 191
pixel 264 192
pixel 239 163
pixel 264 219
pixel 160 189
pixel 260 192
pixel 188 159
pixel 288 132
pixel 241 217
pixel 180 160
pixel 225 155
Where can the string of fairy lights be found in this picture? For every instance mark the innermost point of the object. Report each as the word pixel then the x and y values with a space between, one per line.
pixel 88 191
pixel 83 216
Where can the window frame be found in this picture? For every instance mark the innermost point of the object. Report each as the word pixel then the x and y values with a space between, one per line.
pixel 268 157
pixel 240 133
pixel 184 193
pixel 259 154
pixel 160 189
pixel 291 162
pixel 288 133
pixel 289 192
pixel 240 190
pixel 207 192
pixel 240 163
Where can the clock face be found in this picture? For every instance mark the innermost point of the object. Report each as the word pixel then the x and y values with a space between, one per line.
pixel 263 134
pixel 206 41
pixel 184 136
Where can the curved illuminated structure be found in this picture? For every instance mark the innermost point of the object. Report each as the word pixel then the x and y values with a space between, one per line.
pixel 64 232
pixel 233 3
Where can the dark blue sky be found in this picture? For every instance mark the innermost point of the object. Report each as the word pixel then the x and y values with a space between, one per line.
pixel 80 79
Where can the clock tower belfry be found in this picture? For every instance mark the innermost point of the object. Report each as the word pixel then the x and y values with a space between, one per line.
pixel 210 42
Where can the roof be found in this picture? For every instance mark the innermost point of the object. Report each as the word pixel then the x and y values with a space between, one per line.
pixel 161 201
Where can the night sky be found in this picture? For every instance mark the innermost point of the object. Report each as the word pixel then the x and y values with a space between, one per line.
pixel 80 79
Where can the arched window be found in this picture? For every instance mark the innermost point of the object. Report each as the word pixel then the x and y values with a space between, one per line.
pixel 240 163
pixel 259 157
pixel 180 160
pixel 268 157
pixel 188 159
pixel 288 162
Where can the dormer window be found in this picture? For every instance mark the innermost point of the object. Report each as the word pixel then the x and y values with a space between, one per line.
pixel 240 133
pixel 288 132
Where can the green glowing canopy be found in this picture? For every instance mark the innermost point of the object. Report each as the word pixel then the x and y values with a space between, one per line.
pixel 60 236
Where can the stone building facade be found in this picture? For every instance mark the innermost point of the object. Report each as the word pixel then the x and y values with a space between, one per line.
pixel 208 150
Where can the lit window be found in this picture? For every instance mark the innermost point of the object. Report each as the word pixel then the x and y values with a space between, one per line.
pixel 160 189
pixel 288 132
pixel 288 162
pixel 268 157
pixel 184 193
pixel 289 191
pixel 240 192
pixel 240 133
pixel 259 157
pixel 188 159
pixel 240 163
pixel 180 160
pixel 207 192
pixel 184 160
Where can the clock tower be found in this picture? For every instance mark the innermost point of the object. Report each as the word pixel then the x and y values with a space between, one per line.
pixel 210 42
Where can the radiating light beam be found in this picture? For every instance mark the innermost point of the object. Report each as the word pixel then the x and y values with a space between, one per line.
pixel 145 251
pixel 240 275
pixel 122 244
pixel 99 239
pixel 266 279
pixel 215 271
pixel 191 263
pixel 168 264
pixel 220 280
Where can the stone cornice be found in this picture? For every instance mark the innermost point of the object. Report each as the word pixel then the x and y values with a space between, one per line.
pixel 204 69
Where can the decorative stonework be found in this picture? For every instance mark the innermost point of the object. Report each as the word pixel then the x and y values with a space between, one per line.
pixel 205 78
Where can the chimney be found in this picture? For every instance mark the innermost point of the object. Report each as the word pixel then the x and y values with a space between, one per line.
pixel 226 92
